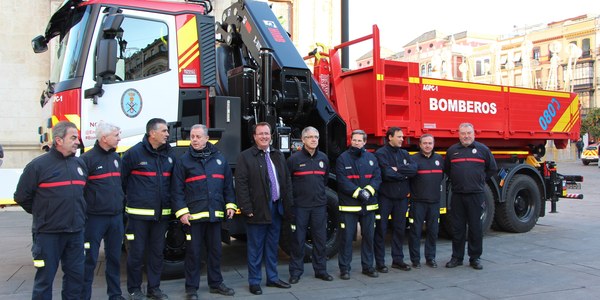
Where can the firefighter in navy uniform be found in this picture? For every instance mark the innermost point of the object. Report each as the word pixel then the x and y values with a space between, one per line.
pixel 203 196
pixel 309 168
pixel 358 178
pixel 147 169
pixel 104 197
pixel 425 193
pixel 51 189
pixel 469 164
pixel 396 169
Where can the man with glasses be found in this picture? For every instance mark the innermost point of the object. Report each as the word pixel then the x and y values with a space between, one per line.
pixel 309 168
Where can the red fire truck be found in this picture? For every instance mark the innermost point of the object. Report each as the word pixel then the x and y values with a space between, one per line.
pixel 125 62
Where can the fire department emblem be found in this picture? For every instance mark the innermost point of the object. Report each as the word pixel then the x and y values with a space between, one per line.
pixel 170 160
pixel 116 163
pixel 371 163
pixel 131 103
pixel 219 162
pixel 437 163
pixel 474 151
pixel 321 164
pixel 80 171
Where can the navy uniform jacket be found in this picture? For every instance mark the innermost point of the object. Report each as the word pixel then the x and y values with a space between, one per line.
pixel 426 186
pixel 357 169
pixel 469 167
pixel 147 180
pixel 395 184
pixel 202 185
pixel 104 190
pixel 309 178
pixel 51 189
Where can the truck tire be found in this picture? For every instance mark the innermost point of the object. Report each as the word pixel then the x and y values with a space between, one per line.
pixel 174 252
pixel 585 162
pixel 333 233
pixel 520 211
pixel 487 216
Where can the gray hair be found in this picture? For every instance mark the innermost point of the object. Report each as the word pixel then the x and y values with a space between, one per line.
pixel 104 129
pixel 465 124
pixel 307 129
pixel 200 126
pixel 360 131
pixel 60 130
pixel 426 136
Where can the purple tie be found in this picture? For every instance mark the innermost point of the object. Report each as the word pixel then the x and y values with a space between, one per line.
pixel 272 179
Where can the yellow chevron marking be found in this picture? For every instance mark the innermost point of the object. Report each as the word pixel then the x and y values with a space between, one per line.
pixel 75 119
pixel 568 118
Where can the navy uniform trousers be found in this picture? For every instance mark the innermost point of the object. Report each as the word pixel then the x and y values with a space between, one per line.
pixel 263 242
pixel 316 219
pixel 203 234
pixel 397 209
pixel 111 229
pixel 423 212
pixel 48 250
pixel 150 236
pixel 467 210
pixel 367 227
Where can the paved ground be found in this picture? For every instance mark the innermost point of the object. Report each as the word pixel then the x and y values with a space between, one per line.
pixel 558 259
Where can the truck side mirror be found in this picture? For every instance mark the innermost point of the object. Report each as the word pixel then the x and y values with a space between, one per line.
pixel 39 44
pixel 106 63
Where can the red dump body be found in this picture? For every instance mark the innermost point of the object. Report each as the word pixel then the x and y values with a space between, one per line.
pixel 391 93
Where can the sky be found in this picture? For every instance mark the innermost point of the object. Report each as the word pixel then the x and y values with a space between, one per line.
pixel 401 21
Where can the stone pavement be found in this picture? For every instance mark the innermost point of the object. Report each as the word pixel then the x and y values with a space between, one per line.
pixel 558 259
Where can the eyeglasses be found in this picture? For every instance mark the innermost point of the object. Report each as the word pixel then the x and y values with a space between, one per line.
pixel 311 137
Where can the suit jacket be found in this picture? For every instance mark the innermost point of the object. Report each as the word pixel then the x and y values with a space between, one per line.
pixel 252 187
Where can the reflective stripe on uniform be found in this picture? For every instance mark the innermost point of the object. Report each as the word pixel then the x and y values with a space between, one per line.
pixel 370 189
pixel 166 211
pixel 86 245
pixel 350 208
pixel 38 263
pixel 372 207
pixel 130 236
pixel 188 237
pixel 206 214
pixel 355 194
pixel 342 225
pixel 139 211
pixel 293 227
pixel 231 206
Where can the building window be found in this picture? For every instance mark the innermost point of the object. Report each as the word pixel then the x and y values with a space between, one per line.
pixel 536 53
pixel 585 47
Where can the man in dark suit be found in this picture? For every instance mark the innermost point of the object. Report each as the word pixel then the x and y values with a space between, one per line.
pixel 263 190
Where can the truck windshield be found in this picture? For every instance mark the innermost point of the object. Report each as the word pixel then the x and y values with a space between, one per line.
pixel 68 50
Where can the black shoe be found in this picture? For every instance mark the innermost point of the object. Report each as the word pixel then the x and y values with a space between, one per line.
pixel 344 275
pixel 191 296
pixel 223 290
pixel 255 289
pixel 279 284
pixel 454 262
pixel 324 276
pixel 156 294
pixel 371 273
pixel 431 263
pixel 294 279
pixel 137 295
pixel 476 264
pixel 382 269
pixel 416 264
pixel 401 266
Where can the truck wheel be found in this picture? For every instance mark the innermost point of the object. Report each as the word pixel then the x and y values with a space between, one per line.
pixel 520 211
pixel 333 234
pixel 174 252
pixel 487 216
pixel 585 162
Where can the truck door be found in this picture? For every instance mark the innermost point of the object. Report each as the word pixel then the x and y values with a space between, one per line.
pixel 146 82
